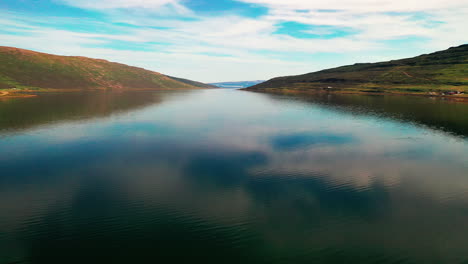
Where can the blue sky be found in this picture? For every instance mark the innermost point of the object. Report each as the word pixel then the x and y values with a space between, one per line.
pixel 234 40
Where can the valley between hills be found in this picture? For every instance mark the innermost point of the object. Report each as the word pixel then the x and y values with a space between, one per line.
pixel 439 74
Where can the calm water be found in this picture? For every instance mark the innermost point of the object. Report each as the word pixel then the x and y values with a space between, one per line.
pixel 224 176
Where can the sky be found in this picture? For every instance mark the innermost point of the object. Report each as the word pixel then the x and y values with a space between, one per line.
pixel 235 40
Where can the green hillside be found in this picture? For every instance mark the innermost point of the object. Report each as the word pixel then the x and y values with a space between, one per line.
pixel 28 70
pixel 436 73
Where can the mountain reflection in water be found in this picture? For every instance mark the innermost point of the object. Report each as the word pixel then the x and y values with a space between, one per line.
pixel 229 176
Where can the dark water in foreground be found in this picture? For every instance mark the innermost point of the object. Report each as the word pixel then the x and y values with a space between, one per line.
pixel 224 176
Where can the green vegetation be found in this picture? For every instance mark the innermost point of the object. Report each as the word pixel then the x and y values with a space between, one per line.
pixel 28 71
pixel 440 73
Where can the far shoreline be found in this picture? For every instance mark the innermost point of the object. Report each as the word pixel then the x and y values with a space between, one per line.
pixel 463 98
pixel 24 93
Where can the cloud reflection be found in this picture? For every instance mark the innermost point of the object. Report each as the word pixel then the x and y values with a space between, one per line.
pixel 152 184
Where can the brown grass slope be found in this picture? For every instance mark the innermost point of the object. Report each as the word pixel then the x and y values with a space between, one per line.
pixel 29 70
pixel 443 70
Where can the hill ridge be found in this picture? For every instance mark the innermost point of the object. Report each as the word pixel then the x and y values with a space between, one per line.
pixel 440 71
pixel 23 69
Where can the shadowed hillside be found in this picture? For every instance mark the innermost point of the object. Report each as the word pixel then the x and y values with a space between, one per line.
pixel 25 69
pixel 437 72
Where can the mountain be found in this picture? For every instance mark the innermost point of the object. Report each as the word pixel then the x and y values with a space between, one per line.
pixel 30 70
pixel 243 84
pixel 441 72
pixel 193 83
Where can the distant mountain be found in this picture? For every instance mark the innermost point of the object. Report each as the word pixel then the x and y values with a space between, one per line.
pixel 25 69
pixel 194 83
pixel 234 85
pixel 440 72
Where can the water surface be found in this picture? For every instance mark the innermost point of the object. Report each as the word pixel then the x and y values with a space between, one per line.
pixel 225 176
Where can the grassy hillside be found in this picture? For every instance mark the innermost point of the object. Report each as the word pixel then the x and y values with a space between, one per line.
pixel 434 73
pixel 29 70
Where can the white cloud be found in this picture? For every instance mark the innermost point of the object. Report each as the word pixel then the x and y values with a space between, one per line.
pixel 217 48
pixel 108 4
pixel 165 6
pixel 364 6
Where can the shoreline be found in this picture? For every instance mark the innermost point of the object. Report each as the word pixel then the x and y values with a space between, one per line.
pixel 24 93
pixel 457 98
pixel 8 94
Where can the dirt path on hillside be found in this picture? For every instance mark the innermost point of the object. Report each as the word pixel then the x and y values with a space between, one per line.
pixel 4 93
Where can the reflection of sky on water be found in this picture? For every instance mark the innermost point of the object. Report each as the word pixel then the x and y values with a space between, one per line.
pixel 308 139
pixel 297 175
